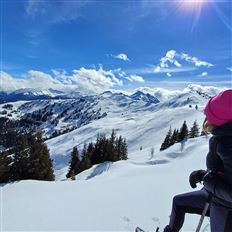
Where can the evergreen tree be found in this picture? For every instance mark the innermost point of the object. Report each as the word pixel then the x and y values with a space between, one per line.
pixel 183 134
pixel 124 150
pixel 74 163
pixel 111 150
pixel 174 137
pixel 98 152
pixel 41 167
pixel 5 161
pixel 90 150
pixel 85 161
pixel 194 131
pixel 21 159
pixel 167 140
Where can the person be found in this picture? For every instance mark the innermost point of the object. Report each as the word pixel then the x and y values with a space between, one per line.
pixel 217 179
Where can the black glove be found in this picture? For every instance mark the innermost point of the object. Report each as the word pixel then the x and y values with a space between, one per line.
pixel 196 177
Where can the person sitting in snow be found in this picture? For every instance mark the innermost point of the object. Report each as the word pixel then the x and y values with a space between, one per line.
pixel 217 179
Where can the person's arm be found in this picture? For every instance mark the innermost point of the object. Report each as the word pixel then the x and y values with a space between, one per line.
pixel 220 183
pixel 218 186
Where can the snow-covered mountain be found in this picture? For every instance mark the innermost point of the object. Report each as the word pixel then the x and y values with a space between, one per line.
pixel 139 95
pixel 58 116
pixel 30 94
pixel 160 93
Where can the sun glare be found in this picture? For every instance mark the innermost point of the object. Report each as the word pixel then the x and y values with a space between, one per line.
pixel 193 7
pixel 193 3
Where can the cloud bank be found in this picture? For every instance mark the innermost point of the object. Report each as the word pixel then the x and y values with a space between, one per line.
pixel 85 81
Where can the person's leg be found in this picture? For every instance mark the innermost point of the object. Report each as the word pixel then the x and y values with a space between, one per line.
pixel 220 219
pixel 192 202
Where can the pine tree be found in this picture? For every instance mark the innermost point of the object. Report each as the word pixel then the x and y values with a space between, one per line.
pixel 174 137
pixel 21 161
pixel 74 163
pixel 183 134
pixel 85 161
pixel 90 150
pixel 5 161
pixel 194 131
pixel 41 167
pixel 112 152
pixel 124 150
pixel 166 142
pixel 98 152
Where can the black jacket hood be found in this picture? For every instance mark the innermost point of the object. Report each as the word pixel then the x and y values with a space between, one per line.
pixel 223 130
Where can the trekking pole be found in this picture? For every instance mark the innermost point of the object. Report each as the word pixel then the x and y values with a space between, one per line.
pixel 204 212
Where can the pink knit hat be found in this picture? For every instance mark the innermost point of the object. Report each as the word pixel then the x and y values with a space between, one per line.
pixel 219 108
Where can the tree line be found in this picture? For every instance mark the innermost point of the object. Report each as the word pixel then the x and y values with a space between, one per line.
pixel 24 155
pixel 176 136
pixel 28 159
pixel 104 149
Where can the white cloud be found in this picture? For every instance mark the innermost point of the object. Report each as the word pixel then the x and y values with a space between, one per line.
pixel 136 78
pixel 174 61
pixel 157 69
pixel 122 56
pixel 131 78
pixel 86 81
pixel 169 74
pixel 197 62
pixel 8 83
pixel 92 80
pixel 204 74
pixel 230 69
pixel 169 58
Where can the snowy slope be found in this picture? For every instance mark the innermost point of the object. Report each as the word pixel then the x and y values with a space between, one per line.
pixel 107 197
pixel 146 128
pixel 113 196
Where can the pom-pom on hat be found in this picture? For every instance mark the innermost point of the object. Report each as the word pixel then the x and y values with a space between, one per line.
pixel 218 110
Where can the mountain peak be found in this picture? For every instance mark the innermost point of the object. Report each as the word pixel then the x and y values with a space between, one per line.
pixel 139 95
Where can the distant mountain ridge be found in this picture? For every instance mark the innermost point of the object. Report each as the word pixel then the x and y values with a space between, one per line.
pixel 33 94
pixel 152 95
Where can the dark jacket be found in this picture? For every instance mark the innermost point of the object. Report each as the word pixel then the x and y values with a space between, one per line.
pixel 219 160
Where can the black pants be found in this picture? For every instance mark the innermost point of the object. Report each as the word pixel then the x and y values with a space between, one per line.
pixel 194 203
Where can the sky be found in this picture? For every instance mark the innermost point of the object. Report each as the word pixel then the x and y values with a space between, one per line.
pixel 97 45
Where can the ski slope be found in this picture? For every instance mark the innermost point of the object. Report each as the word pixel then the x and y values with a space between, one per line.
pixel 108 197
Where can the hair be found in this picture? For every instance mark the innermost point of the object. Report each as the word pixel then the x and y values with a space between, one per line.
pixel 208 127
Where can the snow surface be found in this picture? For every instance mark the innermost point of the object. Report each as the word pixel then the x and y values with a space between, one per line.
pixel 114 196
pixel 108 197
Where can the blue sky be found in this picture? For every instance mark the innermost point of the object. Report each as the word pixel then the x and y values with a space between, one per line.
pixel 116 44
